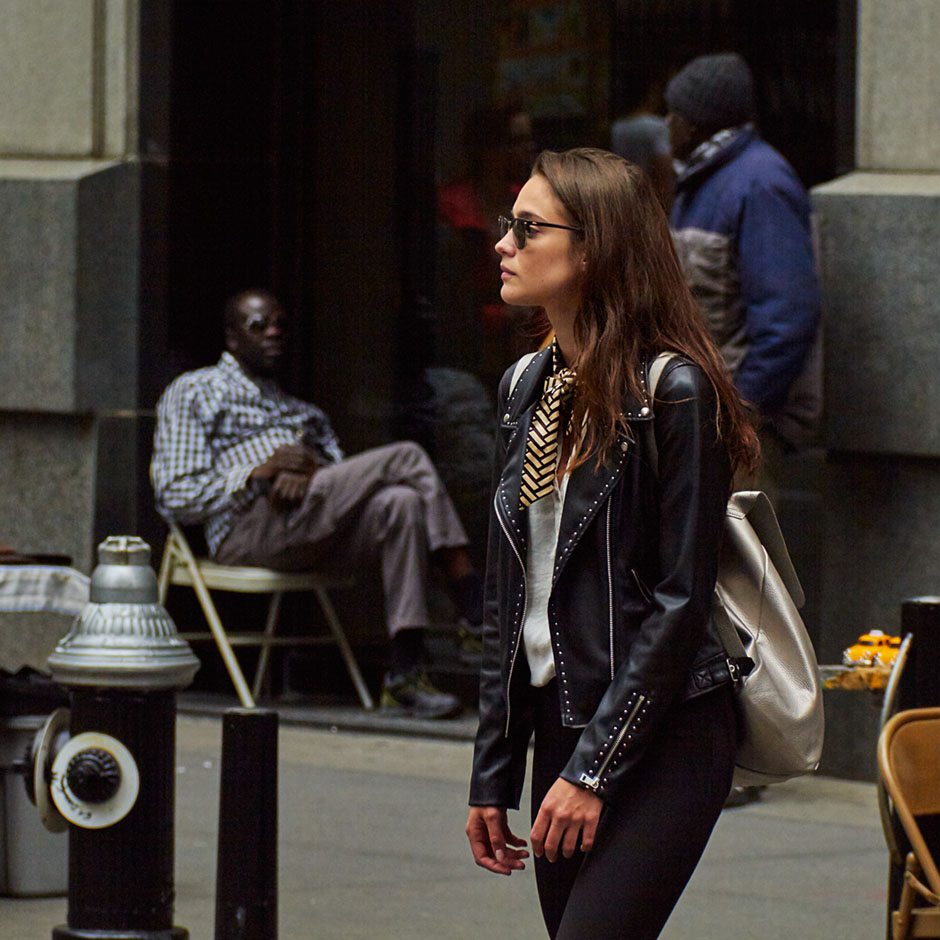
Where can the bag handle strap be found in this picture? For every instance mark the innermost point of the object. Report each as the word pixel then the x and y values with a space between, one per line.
pixel 739 663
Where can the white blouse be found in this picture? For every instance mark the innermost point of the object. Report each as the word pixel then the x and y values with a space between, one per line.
pixel 544 517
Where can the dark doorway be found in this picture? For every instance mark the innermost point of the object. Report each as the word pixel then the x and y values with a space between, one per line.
pixel 284 171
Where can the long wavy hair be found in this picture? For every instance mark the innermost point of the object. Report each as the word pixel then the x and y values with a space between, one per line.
pixel 635 302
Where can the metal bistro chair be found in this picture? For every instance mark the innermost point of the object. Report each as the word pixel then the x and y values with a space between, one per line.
pixel 909 765
pixel 181 567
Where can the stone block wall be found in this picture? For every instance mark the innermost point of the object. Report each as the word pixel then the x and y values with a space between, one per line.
pixel 879 228
pixel 68 251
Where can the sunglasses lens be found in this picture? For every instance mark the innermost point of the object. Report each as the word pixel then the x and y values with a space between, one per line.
pixel 518 229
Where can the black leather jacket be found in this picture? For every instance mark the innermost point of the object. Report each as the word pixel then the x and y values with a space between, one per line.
pixel 629 609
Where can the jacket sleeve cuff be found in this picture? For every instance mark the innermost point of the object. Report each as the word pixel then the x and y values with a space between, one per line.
pixel 600 759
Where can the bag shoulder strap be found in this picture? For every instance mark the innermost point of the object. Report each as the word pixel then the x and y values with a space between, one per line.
pixel 521 366
pixel 757 508
pixel 656 368
pixel 739 663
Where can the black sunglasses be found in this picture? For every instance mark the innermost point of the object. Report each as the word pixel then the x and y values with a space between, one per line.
pixel 522 227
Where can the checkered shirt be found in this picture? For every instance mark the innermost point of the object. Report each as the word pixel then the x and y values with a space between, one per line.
pixel 214 426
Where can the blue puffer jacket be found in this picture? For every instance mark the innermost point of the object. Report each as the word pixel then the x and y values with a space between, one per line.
pixel 741 225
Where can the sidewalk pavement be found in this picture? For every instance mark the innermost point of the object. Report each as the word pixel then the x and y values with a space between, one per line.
pixel 372 846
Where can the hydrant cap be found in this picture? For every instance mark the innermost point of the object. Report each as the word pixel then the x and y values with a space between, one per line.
pixel 123 574
pixel 123 637
pixel 123 550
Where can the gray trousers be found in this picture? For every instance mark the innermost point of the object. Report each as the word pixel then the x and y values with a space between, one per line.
pixel 386 504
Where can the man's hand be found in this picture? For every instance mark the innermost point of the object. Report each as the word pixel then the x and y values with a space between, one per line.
pixel 488 832
pixel 288 458
pixel 288 489
pixel 566 812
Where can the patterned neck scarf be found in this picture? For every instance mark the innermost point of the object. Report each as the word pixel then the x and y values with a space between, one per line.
pixel 541 451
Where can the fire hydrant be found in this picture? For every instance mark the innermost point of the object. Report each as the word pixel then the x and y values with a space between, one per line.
pixel 122 664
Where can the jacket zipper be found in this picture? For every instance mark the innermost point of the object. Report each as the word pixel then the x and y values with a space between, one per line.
pixel 610 596
pixel 594 780
pixel 525 607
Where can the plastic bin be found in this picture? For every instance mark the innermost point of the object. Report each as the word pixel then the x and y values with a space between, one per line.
pixel 33 860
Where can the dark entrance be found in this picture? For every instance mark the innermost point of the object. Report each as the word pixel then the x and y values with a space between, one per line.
pixel 274 157
pixel 293 144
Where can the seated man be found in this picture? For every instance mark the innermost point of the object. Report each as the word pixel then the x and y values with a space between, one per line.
pixel 265 475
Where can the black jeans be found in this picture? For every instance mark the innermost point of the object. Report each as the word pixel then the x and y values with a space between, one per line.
pixel 648 842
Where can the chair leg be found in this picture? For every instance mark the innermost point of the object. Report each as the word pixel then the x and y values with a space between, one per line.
pixel 166 569
pixel 215 625
pixel 348 657
pixel 901 921
pixel 225 648
pixel 270 626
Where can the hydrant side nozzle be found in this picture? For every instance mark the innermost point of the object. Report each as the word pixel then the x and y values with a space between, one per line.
pixel 93 775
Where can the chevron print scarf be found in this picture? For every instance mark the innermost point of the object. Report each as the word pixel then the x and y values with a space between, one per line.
pixel 541 450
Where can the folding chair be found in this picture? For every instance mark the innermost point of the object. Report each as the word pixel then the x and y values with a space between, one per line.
pixel 180 566
pixel 909 766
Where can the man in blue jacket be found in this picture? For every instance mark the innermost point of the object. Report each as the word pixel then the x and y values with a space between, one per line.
pixel 741 224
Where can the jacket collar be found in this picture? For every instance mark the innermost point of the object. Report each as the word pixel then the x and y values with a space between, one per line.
pixel 528 391
pixel 718 150
pixel 588 486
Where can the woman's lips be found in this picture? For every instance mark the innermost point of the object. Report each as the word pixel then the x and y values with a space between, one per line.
pixel 505 273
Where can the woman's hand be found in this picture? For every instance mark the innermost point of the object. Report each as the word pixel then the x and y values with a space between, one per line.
pixel 490 841
pixel 566 812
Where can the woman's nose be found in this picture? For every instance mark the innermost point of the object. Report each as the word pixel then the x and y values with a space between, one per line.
pixel 506 245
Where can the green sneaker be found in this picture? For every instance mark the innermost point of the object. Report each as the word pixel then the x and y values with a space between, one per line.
pixel 470 643
pixel 415 696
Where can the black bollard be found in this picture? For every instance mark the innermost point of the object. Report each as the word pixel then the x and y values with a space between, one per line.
pixel 920 682
pixel 919 687
pixel 246 873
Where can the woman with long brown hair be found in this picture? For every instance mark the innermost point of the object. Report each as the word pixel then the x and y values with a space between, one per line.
pixel 604 536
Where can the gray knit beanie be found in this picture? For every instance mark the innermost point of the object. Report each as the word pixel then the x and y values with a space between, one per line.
pixel 713 92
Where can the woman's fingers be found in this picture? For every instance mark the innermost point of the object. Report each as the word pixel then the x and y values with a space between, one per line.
pixel 589 831
pixel 540 830
pixel 499 834
pixel 488 832
pixel 569 842
pixel 566 813
pixel 559 833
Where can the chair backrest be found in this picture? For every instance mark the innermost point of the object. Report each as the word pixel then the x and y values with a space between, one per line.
pixel 889 823
pixel 909 762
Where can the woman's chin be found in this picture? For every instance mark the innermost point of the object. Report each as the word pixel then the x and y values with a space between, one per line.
pixel 511 296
